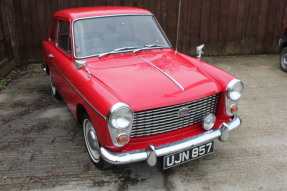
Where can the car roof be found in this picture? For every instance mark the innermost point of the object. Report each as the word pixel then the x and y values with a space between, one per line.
pixel 83 12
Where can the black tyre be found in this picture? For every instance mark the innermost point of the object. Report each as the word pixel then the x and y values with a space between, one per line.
pixel 54 90
pixel 283 59
pixel 93 144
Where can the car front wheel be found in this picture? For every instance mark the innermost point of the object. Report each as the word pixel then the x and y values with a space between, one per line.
pixel 92 144
pixel 283 59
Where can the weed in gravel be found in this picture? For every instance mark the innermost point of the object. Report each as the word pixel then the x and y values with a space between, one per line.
pixel 2 83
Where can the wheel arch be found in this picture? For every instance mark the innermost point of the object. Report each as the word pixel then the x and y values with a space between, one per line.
pixel 80 111
pixel 283 45
pixel 47 69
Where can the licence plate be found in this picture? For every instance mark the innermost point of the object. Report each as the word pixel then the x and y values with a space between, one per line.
pixel 187 155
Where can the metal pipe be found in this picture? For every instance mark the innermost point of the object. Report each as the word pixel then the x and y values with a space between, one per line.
pixel 178 21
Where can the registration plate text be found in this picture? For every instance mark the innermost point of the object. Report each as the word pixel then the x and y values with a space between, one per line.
pixel 187 155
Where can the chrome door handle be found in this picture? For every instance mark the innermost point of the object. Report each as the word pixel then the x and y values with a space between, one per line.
pixel 50 55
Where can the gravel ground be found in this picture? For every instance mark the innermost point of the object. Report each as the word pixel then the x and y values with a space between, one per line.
pixel 42 146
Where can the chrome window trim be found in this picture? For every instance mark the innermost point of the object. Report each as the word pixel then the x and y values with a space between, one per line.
pixel 156 22
pixel 51 29
pixel 101 115
pixel 162 31
pixel 58 44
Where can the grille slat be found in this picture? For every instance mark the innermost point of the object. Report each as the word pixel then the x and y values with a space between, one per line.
pixel 144 118
pixel 176 119
pixel 165 119
pixel 171 116
pixel 158 126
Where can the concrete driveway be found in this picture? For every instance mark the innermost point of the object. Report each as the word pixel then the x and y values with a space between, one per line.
pixel 42 146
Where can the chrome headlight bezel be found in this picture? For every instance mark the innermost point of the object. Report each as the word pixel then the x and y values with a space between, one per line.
pixel 234 89
pixel 234 92
pixel 119 120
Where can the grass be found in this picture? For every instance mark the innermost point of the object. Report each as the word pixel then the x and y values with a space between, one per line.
pixel 2 83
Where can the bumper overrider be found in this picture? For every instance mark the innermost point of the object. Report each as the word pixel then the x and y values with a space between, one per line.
pixel 151 154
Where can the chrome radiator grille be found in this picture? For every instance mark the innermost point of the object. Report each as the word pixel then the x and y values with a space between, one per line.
pixel 166 119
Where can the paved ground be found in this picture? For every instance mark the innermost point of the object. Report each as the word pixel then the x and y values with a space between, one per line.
pixel 42 147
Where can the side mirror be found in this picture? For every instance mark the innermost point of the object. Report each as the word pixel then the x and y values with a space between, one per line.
pixel 200 50
pixel 80 63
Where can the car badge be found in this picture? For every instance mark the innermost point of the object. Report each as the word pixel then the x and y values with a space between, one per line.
pixel 183 112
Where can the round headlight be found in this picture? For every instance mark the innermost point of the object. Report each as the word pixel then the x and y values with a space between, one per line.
pixel 208 121
pixel 121 116
pixel 235 89
pixel 120 119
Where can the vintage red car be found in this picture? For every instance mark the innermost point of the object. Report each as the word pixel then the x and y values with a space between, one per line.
pixel 136 97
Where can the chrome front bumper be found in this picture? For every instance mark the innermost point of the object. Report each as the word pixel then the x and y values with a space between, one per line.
pixel 153 152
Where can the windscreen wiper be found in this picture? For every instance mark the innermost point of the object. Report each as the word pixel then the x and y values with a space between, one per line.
pixel 149 46
pixel 117 50
pixel 153 45
pixel 126 48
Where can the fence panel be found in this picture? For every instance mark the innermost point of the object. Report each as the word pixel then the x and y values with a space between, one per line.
pixel 226 27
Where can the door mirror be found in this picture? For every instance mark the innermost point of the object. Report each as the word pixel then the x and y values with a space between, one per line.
pixel 80 63
pixel 200 50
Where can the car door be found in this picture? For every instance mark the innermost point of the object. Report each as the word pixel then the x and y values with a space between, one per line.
pixel 50 50
pixel 62 56
pixel 63 61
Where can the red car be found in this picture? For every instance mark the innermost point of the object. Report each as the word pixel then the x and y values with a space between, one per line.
pixel 136 97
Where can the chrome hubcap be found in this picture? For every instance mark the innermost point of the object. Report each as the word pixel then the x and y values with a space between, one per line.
pixel 91 140
pixel 52 86
pixel 284 60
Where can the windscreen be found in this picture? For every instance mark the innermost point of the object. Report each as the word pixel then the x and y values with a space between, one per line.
pixel 94 36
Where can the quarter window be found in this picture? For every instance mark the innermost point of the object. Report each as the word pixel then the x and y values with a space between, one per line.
pixel 53 31
pixel 64 36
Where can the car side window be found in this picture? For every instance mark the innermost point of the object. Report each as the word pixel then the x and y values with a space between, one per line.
pixel 53 31
pixel 64 36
